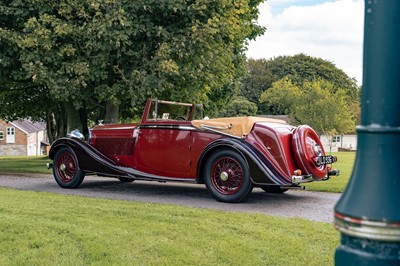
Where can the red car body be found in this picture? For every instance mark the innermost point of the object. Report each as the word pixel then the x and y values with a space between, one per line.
pixel 229 155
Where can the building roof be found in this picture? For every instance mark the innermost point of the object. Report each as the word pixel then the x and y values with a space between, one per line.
pixel 28 126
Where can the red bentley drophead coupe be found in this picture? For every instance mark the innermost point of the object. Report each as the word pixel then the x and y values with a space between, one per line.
pixel 174 143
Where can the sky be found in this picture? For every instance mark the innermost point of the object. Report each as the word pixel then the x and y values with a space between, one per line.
pixel 327 29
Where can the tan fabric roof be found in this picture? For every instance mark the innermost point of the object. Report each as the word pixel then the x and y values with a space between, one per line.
pixel 236 126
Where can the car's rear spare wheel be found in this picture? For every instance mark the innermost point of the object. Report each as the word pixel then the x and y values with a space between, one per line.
pixel 227 176
pixel 307 148
pixel 66 169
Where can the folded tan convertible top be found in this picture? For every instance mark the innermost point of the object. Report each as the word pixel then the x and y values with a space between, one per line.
pixel 236 126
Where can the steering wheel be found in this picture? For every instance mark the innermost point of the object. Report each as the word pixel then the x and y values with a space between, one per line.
pixel 181 118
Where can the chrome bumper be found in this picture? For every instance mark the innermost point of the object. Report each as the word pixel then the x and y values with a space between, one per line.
pixel 308 178
pixel 297 179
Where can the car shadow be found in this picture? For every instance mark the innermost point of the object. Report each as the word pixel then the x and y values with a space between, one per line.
pixel 179 191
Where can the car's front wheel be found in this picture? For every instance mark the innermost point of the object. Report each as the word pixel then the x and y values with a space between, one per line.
pixel 66 170
pixel 227 176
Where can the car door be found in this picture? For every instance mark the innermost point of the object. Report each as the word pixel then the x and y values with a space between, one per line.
pixel 163 150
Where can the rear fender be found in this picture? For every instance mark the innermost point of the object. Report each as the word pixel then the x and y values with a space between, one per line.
pixel 260 172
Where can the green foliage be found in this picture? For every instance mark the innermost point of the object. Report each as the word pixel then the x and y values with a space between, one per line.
pixel 318 104
pixel 299 69
pixel 96 56
pixel 259 78
pixel 239 106
pixel 71 230
pixel 281 96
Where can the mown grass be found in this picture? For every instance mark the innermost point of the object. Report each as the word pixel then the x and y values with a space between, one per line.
pixel 24 164
pixel 40 228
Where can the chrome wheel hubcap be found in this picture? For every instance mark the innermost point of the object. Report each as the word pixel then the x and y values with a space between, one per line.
pixel 224 176
pixel 63 167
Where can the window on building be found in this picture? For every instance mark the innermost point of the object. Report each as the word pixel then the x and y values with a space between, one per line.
pixel 1 135
pixel 336 138
pixel 10 135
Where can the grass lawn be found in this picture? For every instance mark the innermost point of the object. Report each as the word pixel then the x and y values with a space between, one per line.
pixel 24 164
pixel 336 183
pixel 40 228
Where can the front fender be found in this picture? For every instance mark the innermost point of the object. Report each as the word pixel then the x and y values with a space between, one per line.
pixel 262 172
pixel 89 159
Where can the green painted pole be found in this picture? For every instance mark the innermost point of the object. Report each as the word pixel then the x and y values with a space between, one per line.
pixel 368 213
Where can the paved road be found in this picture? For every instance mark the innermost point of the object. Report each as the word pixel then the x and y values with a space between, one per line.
pixel 315 206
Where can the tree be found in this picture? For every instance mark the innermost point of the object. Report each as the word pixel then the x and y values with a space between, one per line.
pixel 100 59
pixel 258 79
pixel 318 104
pixel 299 69
pixel 35 104
pixel 239 106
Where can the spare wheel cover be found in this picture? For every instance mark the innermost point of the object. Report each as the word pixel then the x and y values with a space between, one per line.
pixel 303 142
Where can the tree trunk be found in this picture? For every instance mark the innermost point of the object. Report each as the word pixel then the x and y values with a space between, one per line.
pixel 84 121
pixel 56 123
pixel 73 117
pixel 112 113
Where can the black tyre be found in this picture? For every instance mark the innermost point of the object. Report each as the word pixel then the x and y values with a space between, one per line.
pixel 273 189
pixel 125 179
pixel 227 176
pixel 66 169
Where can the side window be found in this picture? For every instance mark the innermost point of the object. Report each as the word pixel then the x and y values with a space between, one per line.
pixel 152 115
pixel 1 135
pixel 163 111
pixel 198 112
pixel 10 135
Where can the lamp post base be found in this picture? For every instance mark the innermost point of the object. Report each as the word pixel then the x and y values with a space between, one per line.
pixel 358 251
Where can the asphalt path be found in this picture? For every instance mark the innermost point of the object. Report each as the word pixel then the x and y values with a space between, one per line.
pixel 315 206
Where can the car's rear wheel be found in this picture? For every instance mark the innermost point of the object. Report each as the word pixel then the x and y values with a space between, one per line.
pixel 227 176
pixel 66 170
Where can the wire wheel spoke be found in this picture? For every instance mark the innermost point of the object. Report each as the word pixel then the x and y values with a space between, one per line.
pixel 227 175
pixel 66 167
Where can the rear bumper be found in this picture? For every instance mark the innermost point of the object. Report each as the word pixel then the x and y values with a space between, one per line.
pixel 309 178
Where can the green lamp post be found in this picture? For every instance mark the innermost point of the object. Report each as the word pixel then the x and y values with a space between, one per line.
pixel 368 213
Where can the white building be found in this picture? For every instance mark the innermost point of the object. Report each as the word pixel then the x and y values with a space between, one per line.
pixel 339 143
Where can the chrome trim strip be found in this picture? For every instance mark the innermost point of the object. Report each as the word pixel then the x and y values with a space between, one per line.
pixel 183 127
pixel 116 128
pixel 215 127
pixel 376 128
pixel 381 231
pixel 222 133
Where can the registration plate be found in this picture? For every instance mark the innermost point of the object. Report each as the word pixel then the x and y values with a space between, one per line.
pixel 322 160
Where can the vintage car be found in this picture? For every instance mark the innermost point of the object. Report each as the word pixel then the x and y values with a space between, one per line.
pixel 173 142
